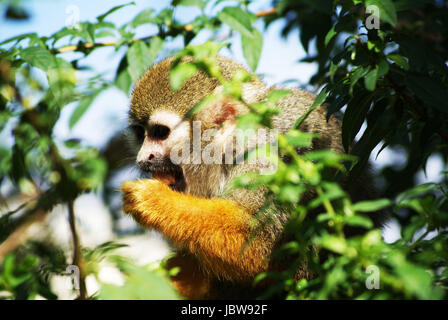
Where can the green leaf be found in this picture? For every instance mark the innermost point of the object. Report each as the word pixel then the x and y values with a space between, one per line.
pixel 330 35
pixel 417 191
pixel 252 47
pixel 12 273
pixel 181 73
pixel 369 206
pixel 399 60
pixel 31 35
pixel 402 5
pixel 414 278
pixel 155 46
pixel 289 194
pixel 370 79
pixel 91 171
pixel 62 81
pixel 333 243
pixel 359 221
pixel 275 95
pixel 297 138
pixel 5 162
pixel 123 81
pixel 103 16
pixel 386 9
pixel 237 20
pixel 87 32
pixel 39 57
pixel 319 100
pixel 104 34
pixel 376 131
pixel 354 117
pixel 81 109
pixel 248 121
pixel 60 73
pixel 141 284
pixel 191 3
pixel 323 6
pixel 371 238
pixel 140 57
pixel 383 68
pixel 144 17
pixel 357 74
pixel 431 91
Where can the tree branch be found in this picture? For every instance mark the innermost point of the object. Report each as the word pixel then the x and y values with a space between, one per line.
pixel 20 234
pixel 188 27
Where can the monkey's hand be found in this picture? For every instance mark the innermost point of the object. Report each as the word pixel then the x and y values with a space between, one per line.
pixel 141 199
pixel 215 230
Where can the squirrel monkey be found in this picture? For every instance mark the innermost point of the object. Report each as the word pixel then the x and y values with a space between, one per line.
pixel 187 202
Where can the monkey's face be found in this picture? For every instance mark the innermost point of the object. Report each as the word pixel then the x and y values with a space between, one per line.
pixel 162 132
pixel 158 120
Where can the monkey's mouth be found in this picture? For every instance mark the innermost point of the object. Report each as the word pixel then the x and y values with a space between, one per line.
pixel 166 171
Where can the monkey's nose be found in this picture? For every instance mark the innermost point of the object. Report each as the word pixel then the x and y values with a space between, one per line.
pixel 154 156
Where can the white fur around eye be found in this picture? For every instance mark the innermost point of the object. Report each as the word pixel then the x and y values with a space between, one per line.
pixel 179 133
pixel 179 129
pixel 166 118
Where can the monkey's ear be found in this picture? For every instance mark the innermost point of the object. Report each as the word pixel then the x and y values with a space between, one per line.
pixel 221 112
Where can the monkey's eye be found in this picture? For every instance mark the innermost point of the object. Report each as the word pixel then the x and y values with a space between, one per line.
pixel 158 132
pixel 139 132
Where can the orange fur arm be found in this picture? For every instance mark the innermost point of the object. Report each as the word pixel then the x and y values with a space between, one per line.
pixel 215 230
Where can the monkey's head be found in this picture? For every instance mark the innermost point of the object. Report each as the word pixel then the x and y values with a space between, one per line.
pixel 157 115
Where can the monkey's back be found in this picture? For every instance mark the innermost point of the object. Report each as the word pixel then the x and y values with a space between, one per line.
pixel 296 104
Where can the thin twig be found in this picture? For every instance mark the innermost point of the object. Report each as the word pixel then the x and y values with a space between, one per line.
pixel 19 208
pixel 267 12
pixel 77 254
